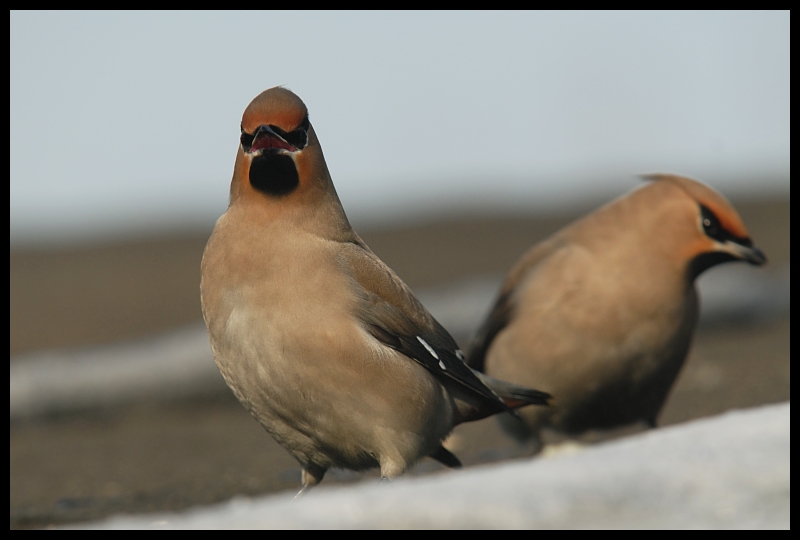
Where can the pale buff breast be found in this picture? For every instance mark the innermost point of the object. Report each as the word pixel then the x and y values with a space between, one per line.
pixel 280 316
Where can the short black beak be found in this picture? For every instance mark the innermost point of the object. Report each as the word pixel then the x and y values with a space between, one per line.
pixel 751 254
pixel 265 137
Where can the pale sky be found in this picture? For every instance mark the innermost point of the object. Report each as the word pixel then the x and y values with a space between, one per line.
pixel 121 122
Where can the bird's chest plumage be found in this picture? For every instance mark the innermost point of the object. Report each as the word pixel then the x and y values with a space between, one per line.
pixel 273 309
pixel 282 323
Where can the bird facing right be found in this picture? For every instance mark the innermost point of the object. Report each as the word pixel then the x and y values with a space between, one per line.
pixel 601 314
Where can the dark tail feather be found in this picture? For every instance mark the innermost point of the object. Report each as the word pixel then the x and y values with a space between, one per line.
pixel 446 458
pixel 525 396
pixel 514 395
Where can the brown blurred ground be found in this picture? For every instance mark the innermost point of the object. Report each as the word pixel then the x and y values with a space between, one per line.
pixel 169 456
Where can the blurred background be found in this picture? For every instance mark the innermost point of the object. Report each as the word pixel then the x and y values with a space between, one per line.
pixel 455 140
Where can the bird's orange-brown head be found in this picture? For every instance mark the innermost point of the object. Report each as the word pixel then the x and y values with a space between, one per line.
pixel 280 167
pixel 275 131
pixel 720 234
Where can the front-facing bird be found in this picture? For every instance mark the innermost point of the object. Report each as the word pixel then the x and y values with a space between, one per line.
pixel 316 336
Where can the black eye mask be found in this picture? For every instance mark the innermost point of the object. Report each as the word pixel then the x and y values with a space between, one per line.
pixel 713 228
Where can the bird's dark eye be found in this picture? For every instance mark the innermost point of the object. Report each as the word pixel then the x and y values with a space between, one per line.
pixel 247 140
pixel 304 124
pixel 711 225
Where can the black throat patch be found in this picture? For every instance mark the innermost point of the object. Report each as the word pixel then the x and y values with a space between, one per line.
pixel 274 174
pixel 704 261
